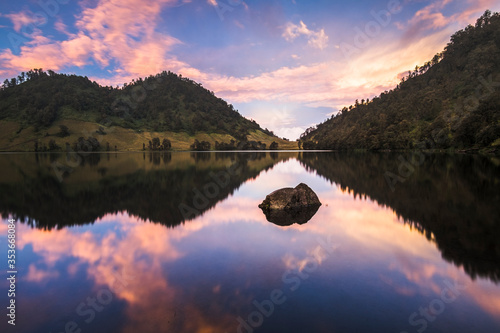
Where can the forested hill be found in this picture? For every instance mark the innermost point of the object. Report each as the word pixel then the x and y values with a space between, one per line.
pixel 37 101
pixel 452 101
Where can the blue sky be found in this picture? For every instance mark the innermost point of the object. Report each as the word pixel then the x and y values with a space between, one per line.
pixel 287 64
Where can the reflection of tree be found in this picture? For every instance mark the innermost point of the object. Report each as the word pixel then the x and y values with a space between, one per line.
pixel 454 200
pixel 152 193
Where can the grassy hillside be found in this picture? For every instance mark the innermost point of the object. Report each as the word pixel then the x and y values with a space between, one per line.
pixel 35 105
pixel 451 102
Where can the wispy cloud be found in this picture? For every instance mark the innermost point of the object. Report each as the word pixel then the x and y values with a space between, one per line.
pixel 433 18
pixel 317 39
pixel 24 18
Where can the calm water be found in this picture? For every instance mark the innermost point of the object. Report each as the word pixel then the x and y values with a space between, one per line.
pixel 176 243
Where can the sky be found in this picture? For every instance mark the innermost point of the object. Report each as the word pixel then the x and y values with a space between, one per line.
pixel 287 64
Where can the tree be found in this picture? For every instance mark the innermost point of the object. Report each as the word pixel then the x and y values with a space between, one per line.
pixel 63 131
pixel 53 145
pixel 200 146
pixel 166 144
pixel 156 143
pixel 273 146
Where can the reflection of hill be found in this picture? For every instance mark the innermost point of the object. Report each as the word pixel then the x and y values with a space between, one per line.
pixel 150 186
pixel 454 200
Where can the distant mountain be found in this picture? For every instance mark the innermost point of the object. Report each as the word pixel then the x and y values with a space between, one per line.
pixel 33 105
pixel 452 101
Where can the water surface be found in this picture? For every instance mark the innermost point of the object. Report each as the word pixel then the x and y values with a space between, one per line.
pixel 176 243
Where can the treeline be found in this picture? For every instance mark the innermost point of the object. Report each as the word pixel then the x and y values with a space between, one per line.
pixel 452 101
pixel 245 145
pixel 232 145
pixel 156 145
pixel 163 102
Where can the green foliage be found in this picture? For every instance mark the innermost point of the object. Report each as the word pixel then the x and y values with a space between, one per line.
pixel 166 144
pixel 242 145
pixel 90 144
pixel 64 131
pixel 200 146
pixel 157 146
pixel 53 146
pixel 159 103
pixel 225 146
pixel 451 101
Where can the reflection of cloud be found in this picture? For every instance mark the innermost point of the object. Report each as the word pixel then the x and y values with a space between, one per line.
pixel 38 275
pixel 486 295
pixel 3 227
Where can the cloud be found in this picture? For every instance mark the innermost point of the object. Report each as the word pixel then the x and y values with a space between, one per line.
pixel 432 17
pixel 111 31
pixel 317 39
pixel 239 24
pixel 62 28
pixel 25 18
pixel 212 2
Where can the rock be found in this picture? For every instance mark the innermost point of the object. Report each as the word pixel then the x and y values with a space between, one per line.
pixel 291 205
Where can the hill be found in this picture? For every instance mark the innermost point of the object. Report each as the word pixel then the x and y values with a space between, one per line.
pixel 41 107
pixel 451 102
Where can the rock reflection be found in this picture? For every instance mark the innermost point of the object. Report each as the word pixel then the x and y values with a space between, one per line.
pixel 285 218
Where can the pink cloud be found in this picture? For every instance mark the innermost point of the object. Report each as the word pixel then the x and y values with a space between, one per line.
pixel 431 13
pixel 112 30
pixel 40 56
pixel 61 27
pixel 476 8
pixel 317 39
pixel 76 49
pixel 25 18
pixel 432 17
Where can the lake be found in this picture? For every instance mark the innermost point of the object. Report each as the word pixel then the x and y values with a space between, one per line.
pixel 175 242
